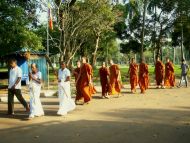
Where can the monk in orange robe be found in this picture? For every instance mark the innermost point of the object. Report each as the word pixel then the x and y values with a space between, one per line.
pixel 159 73
pixel 169 74
pixel 85 80
pixel 143 76
pixel 92 87
pixel 114 79
pixel 133 71
pixel 104 73
pixel 76 73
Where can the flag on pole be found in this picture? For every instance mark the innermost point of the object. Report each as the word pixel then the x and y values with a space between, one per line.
pixel 50 18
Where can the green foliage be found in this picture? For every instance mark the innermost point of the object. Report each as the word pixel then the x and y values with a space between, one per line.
pixel 132 45
pixel 17 18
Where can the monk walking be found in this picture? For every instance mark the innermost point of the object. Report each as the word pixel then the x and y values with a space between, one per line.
pixel 115 79
pixel 169 74
pixel 133 71
pixel 76 73
pixel 143 76
pixel 159 73
pixel 104 73
pixel 84 81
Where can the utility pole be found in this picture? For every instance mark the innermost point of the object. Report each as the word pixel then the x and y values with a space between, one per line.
pixel 48 12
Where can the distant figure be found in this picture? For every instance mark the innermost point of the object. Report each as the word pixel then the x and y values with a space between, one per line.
pixel 104 73
pixel 14 87
pixel 133 72
pixel 66 103
pixel 85 81
pixel 76 73
pixel 35 89
pixel 77 70
pixel 143 76
pixel 184 72
pixel 159 73
pixel 92 89
pixel 115 79
pixel 169 74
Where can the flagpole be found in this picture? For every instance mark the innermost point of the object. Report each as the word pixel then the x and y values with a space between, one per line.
pixel 48 44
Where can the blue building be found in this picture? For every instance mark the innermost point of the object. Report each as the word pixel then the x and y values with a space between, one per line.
pixel 25 59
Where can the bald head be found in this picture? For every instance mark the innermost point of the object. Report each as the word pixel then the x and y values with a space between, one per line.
pixel 132 60
pixel 78 64
pixel 111 62
pixel 167 59
pixel 103 64
pixel 158 59
pixel 84 60
pixel 34 67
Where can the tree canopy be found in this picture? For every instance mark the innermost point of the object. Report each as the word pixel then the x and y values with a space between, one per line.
pixel 17 21
pixel 92 28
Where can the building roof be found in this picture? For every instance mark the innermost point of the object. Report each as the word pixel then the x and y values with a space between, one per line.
pixel 24 50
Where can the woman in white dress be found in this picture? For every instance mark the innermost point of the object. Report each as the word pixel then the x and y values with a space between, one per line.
pixel 66 103
pixel 35 89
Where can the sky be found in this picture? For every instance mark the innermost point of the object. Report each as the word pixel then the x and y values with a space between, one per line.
pixel 42 11
pixel 42 15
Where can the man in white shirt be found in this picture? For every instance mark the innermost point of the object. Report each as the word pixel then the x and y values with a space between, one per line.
pixel 66 104
pixel 14 87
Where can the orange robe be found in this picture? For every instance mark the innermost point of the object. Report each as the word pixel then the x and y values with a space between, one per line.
pixel 114 85
pixel 76 74
pixel 169 75
pixel 103 72
pixel 159 73
pixel 143 77
pixel 92 87
pixel 83 82
pixel 133 76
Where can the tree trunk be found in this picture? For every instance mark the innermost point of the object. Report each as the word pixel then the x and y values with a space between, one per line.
pixel 50 64
pixel 158 52
pixel 155 11
pixel 61 58
pixel 96 49
pixel 182 53
pixel 174 57
pixel 143 29
pixel 158 47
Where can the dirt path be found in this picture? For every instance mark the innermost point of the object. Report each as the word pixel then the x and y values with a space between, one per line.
pixel 159 116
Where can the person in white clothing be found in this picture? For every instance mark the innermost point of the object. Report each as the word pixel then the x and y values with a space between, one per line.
pixel 66 104
pixel 35 89
pixel 14 87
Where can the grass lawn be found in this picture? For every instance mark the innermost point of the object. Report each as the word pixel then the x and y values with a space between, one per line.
pixel 3 69
pixel 124 70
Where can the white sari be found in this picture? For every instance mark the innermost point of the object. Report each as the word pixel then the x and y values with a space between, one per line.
pixel 66 103
pixel 35 103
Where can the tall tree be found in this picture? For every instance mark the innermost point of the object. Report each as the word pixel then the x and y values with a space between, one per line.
pixel 77 23
pixel 17 19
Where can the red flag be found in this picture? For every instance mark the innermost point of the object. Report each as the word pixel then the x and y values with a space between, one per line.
pixel 50 18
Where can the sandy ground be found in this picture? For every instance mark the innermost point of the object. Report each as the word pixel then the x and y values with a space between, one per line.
pixel 159 116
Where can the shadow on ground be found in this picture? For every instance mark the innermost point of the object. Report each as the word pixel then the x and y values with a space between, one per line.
pixel 119 126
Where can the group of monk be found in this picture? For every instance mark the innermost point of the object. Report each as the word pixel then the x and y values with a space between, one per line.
pixel 110 81
pixel 164 75
pixel 110 78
